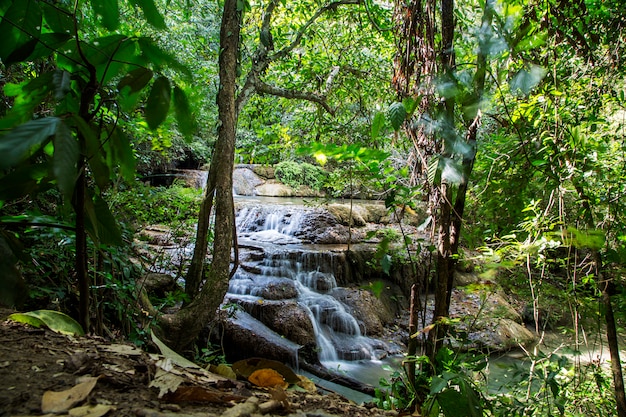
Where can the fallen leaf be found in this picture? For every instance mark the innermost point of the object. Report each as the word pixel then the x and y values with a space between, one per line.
pixel 97 410
pixel 165 382
pixel 170 354
pixel 58 402
pixel 307 384
pixel 54 320
pixel 246 367
pixel 267 378
pixel 202 395
pixel 121 349
pixel 224 370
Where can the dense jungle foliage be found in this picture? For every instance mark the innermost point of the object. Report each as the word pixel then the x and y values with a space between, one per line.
pixel 506 118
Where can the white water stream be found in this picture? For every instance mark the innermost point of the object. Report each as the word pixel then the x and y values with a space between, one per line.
pixel 274 227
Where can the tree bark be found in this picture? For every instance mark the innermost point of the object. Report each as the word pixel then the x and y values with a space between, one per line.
pixel 182 328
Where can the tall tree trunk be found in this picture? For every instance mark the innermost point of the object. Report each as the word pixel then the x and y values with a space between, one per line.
pixel 604 283
pixel 182 328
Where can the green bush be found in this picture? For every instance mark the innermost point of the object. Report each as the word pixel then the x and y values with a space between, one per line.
pixel 298 174
pixel 144 205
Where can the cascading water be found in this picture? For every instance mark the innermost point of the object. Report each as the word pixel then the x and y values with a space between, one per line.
pixel 296 272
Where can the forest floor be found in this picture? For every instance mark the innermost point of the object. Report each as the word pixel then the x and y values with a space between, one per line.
pixel 46 373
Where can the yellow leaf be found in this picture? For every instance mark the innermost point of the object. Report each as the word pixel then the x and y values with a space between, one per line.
pixel 267 378
pixel 59 402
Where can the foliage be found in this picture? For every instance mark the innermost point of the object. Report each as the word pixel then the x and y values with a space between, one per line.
pixel 145 205
pixel 298 174
pixel 451 389
pixel 54 320
pixel 63 129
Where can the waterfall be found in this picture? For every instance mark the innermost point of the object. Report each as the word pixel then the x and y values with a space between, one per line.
pixel 283 268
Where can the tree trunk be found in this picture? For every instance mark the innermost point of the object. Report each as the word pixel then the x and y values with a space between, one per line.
pixel 182 328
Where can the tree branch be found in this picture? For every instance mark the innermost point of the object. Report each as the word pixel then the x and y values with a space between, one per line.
pixel 261 59
pixel 294 44
pixel 264 88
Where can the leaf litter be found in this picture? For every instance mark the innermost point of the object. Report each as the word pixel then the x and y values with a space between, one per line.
pixel 44 373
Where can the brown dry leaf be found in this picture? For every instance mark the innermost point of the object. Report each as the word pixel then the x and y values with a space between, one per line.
pixel 58 402
pixel 121 349
pixel 267 378
pixel 279 394
pixel 97 410
pixel 307 384
pixel 166 382
pixel 202 395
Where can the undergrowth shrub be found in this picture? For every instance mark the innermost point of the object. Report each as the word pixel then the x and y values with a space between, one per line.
pixel 298 174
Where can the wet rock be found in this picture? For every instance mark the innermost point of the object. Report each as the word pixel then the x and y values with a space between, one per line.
pixel 245 181
pixel 244 337
pixel 369 310
pixel 285 317
pixel 158 284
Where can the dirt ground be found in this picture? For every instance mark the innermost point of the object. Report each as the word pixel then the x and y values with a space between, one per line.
pixel 114 379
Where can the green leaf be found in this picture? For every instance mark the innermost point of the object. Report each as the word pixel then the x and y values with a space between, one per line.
pixel 100 224
pixel 61 81
pixel 109 11
pixel 151 13
pixel 64 160
pixel 123 154
pixel 22 142
pixel 158 104
pixel 396 115
pixel 385 263
pixel 57 19
pixel 21 22
pixel 184 115
pixel 525 80
pixel 437 384
pixel 377 125
pixel 434 171
pixel 48 43
pixel 136 79
pixel 54 320
pixel 93 152
pixel 160 58
pixel 21 52
pixel 453 404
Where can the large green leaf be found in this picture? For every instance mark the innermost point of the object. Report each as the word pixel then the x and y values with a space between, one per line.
pixel 94 153
pixel 19 26
pixel 55 320
pixel 61 81
pixel 151 13
pixel 28 96
pixel 159 58
pixel 109 11
pixel 527 79
pixel 184 115
pixel 23 141
pixel 121 154
pixel 158 104
pixel 396 114
pixel 47 44
pixel 135 80
pixel 57 19
pixel 64 160
pixel 100 223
